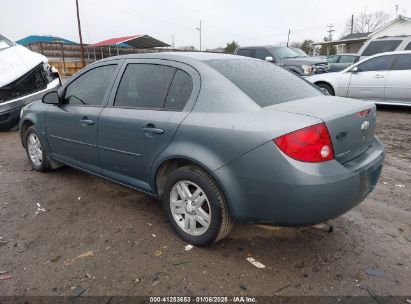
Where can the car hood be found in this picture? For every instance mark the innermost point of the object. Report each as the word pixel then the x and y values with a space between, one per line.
pixel 302 60
pixel 16 61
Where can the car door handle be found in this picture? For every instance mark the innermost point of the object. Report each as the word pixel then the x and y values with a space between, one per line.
pixel 379 76
pixel 86 122
pixel 152 129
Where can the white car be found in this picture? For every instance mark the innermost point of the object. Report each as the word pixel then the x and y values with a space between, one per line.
pixel 383 78
pixel 25 77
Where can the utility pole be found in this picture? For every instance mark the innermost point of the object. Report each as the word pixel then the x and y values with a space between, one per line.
pixel 81 38
pixel 288 39
pixel 352 23
pixel 199 29
pixel 330 37
pixel 172 42
pixel 330 32
pixel 396 11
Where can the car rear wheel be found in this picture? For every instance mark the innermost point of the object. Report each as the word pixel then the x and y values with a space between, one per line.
pixel 327 88
pixel 35 152
pixel 196 207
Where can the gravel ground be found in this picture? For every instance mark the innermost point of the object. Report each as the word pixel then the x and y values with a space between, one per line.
pixel 110 240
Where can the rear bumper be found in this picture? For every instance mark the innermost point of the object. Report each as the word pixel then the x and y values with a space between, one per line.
pixel 266 187
pixel 10 110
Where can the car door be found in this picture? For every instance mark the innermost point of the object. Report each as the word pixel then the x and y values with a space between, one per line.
pixel 398 85
pixel 368 82
pixel 152 99
pixel 72 125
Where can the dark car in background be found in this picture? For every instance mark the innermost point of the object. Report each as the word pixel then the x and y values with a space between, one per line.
pixel 287 57
pixel 25 77
pixel 340 62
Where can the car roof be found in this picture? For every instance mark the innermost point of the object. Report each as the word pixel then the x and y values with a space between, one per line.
pixel 260 46
pixel 180 56
pixel 390 53
pixel 391 37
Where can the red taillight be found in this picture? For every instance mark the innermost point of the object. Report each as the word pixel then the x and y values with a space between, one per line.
pixel 311 144
pixel 364 113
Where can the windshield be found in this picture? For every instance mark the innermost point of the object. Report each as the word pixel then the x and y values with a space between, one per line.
pixel 299 52
pixel 265 83
pixel 284 52
pixel 5 43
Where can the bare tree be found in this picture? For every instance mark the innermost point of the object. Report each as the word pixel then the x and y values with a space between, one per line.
pixel 366 22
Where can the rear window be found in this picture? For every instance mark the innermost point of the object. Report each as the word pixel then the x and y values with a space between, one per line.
pixel 265 83
pixel 382 46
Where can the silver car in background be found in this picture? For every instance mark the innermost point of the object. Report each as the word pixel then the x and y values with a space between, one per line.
pixel 383 78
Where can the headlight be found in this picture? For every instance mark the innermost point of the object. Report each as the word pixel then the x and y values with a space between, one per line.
pixel 307 69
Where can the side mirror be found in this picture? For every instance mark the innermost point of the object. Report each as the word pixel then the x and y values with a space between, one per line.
pixel 51 98
pixel 355 70
pixel 269 59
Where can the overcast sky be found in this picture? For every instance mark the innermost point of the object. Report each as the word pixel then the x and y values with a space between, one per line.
pixel 248 22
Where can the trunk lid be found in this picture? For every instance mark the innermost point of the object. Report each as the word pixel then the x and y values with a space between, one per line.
pixel 351 129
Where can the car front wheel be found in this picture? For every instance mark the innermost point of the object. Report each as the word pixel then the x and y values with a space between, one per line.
pixel 196 207
pixel 327 88
pixel 35 152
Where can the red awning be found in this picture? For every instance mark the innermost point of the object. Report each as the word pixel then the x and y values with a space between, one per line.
pixel 137 41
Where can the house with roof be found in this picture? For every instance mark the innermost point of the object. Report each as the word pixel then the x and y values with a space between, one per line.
pixel 351 43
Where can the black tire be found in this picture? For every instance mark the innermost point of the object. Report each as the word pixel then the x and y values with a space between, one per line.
pixel 45 164
pixel 326 87
pixel 220 223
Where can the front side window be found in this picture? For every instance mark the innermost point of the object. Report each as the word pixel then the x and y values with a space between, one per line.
pixel 381 63
pixel 402 62
pixel 144 86
pixel 245 52
pixel 89 89
pixel 333 59
pixel 381 46
pixel 347 59
pixel 283 52
pixel 262 54
pixel 180 91
pixel 265 83
pixel 408 47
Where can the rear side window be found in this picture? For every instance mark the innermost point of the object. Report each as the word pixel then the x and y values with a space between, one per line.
pixel 381 46
pixel 408 47
pixel 265 83
pixel 144 86
pixel 402 62
pixel 381 63
pixel 180 91
pixel 89 89
pixel 245 52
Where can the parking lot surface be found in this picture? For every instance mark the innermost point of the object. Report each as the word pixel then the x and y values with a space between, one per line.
pixel 66 229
